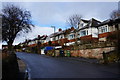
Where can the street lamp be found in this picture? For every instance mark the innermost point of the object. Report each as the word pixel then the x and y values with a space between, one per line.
pixel 53 27
pixel 54 38
pixel 54 31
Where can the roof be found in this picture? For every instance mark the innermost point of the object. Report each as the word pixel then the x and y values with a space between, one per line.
pixel 61 32
pixel 41 38
pixel 110 22
pixel 116 20
pixel 56 33
pixel 85 21
pixel 91 23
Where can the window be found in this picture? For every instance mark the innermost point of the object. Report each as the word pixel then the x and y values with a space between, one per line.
pixel 56 37
pixel 83 33
pixel 87 32
pixel 104 29
pixel 71 36
pixel 81 24
pixel 61 36
pixel 52 39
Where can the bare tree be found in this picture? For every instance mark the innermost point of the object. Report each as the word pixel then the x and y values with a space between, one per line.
pixel 115 14
pixel 74 20
pixel 14 20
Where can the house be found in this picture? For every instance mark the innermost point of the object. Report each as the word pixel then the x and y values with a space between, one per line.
pixel 87 29
pixel 70 36
pixel 4 47
pixel 56 39
pixel 61 38
pixel 42 39
pixel 32 43
pixel 37 41
pixel 50 40
pixel 107 27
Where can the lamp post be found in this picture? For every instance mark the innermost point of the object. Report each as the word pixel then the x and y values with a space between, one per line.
pixel 53 27
pixel 54 38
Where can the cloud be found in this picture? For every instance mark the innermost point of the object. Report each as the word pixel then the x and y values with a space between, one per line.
pixel 34 33
pixel 60 0
pixel 48 13
pixel 56 13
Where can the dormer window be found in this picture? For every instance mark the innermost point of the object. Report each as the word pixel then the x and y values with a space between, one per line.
pixel 81 24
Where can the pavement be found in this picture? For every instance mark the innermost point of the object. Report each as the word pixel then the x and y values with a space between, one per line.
pixel 22 69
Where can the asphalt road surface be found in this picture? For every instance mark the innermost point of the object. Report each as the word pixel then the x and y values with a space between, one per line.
pixel 42 66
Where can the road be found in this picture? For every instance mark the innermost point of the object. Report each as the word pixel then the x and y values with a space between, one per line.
pixel 41 66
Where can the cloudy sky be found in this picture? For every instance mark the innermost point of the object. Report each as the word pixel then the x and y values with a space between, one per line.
pixel 46 14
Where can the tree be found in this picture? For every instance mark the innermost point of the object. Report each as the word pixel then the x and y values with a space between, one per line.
pixel 115 14
pixel 74 20
pixel 14 21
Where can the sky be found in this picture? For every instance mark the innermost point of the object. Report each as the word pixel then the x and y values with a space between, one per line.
pixel 47 14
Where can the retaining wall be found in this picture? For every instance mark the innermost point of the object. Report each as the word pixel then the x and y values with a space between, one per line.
pixel 91 53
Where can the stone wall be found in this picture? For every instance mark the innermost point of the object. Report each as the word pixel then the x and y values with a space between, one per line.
pixel 91 53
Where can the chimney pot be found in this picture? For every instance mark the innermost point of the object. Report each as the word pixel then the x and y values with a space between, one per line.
pixel 72 28
pixel 60 29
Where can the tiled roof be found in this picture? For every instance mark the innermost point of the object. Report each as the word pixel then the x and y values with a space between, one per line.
pixel 110 21
pixel 92 23
pixel 86 21
pixel 59 33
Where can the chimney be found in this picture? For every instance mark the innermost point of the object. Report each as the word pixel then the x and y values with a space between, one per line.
pixel 38 36
pixel 59 29
pixel 72 28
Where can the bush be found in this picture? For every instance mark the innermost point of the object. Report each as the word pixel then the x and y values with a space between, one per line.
pixel 10 67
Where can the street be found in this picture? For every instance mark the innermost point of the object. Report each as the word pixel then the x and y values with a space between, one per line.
pixel 42 66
